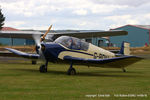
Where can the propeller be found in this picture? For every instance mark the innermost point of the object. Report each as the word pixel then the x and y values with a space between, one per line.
pixel 43 37
pixel 39 39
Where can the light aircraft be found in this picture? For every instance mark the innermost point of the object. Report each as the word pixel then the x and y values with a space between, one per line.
pixel 70 48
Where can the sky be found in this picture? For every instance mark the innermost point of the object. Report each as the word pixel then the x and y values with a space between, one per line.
pixel 75 14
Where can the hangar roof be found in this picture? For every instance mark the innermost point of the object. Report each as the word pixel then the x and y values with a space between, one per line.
pixel 9 29
pixel 143 26
pixel 147 27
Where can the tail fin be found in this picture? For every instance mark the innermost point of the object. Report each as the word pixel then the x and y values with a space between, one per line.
pixel 125 48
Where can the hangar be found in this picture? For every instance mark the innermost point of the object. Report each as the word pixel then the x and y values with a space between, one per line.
pixel 138 35
pixel 14 41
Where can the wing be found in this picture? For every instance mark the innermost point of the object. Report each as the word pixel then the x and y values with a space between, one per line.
pixel 19 34
pixel 117 62
pixel 90 34
pixel 22 54
pixel 55 34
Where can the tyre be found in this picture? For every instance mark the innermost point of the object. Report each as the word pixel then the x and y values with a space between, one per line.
pixel 43 69
pixel 71 71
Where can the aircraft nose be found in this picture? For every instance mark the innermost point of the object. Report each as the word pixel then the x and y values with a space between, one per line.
pixel 51 50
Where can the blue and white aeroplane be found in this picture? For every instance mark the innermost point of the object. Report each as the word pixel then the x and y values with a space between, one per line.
pixel 68 48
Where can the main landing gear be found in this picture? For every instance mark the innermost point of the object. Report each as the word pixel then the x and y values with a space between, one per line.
pixel 43 68
pixel 71 70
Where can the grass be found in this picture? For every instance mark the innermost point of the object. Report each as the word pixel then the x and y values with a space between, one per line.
pixel 22 81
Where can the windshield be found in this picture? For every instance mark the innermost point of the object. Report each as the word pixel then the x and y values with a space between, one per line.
pixel 72 43
pixel 64 40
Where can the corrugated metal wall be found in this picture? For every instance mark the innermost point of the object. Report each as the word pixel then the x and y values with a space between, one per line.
pixel 137 37
pixel 15 41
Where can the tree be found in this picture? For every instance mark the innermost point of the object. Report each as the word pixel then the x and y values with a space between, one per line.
pixel 2 19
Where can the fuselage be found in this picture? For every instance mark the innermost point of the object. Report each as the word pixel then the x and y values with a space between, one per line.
pixel 93 52
pixel 74 47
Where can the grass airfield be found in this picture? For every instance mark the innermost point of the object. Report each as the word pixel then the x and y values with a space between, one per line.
pixel 19 80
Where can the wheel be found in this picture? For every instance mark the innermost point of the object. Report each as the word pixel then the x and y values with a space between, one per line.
pixel 43 69
pixel 71 71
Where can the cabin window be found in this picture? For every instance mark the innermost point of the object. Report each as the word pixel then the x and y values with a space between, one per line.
pixel 78 44
pixel 72 43
pixel 84 45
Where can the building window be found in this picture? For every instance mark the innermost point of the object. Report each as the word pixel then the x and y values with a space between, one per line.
pixel 89 40
pixel 100 43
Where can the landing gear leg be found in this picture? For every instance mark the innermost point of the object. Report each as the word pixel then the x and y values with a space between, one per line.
pixel 71 70
pixel 123 69
pixel 43 68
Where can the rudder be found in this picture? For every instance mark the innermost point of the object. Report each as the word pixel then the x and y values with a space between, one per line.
pixel 125 48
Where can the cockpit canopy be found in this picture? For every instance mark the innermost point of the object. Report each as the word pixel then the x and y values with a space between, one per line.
pixel 72 43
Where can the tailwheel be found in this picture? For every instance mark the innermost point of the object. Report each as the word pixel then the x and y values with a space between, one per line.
pixel 71 71
pixel 43 69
